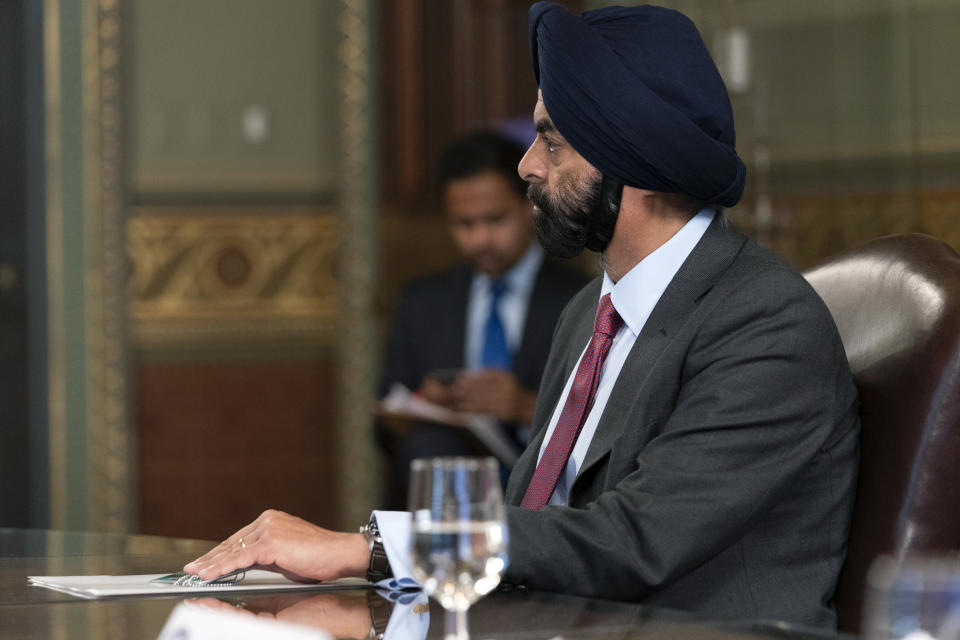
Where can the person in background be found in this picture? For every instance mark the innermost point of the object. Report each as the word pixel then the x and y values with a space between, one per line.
pixel 696 437
pixel 475 337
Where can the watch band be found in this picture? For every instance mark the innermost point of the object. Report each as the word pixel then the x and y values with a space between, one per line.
pixel 379 567
pixel 380 610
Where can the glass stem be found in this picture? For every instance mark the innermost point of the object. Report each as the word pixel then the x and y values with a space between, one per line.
pixel 456 625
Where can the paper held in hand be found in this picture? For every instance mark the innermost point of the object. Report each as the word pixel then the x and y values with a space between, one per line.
pixel 401 403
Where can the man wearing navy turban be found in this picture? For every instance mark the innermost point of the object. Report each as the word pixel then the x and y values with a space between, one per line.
pixel 695 441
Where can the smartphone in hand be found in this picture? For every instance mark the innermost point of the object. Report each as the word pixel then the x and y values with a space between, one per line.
pixel 445 377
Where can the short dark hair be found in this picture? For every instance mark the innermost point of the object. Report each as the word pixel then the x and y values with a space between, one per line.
pixel 478 152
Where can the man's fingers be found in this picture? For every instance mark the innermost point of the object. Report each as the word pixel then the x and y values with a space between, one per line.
pixel 238 552
pixel 226 556
pixel 206 558
pixel 223 563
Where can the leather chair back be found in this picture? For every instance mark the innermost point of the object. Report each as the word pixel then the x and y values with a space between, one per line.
pixel 896 302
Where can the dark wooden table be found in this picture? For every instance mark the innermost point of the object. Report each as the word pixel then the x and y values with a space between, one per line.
pixel 30 612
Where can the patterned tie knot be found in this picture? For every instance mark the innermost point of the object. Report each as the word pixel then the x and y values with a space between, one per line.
pixel 608 321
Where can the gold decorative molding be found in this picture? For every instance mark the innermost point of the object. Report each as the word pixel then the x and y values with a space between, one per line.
pixel 809 228
pixel 109 420
pixel 56 347
pixel 89 437
pixel 357 338
pixel 217 278
pixel 108 415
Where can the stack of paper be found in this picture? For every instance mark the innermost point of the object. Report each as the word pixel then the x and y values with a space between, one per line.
pixel 92 587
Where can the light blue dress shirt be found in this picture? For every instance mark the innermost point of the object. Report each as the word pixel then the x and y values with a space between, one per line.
pixel 512 308
pixel 634 296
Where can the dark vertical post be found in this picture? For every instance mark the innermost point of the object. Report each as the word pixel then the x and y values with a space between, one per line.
pixel 14 427
pixel 36 260
pixel 22 318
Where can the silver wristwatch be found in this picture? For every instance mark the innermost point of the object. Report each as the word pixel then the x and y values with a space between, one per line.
pixel 379 567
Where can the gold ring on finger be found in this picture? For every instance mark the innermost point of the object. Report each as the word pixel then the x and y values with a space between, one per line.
pixel 243 545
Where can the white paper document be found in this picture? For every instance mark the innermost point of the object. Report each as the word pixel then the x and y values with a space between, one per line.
pixel 401 402
pixel 93 587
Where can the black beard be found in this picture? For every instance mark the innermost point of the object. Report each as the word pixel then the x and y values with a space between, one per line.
pixel 564 226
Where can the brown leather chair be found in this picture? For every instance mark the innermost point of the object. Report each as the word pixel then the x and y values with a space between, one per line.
pixel 896 302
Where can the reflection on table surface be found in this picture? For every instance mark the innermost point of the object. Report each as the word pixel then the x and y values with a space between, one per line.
pixel 20 543
pixel 31 612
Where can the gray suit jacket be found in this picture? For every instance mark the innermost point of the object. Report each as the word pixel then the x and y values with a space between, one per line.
pixel 722 472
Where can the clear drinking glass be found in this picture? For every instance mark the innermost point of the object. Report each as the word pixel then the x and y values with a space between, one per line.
pixel 459 543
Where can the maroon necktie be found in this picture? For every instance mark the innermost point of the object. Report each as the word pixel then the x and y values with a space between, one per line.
pixel 575 409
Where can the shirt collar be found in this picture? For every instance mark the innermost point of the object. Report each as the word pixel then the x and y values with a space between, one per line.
pixel 636 294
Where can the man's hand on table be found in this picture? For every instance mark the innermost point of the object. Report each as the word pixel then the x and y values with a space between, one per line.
pixel 278 541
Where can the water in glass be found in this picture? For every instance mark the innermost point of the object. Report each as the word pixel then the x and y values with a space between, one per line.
pixel 459 546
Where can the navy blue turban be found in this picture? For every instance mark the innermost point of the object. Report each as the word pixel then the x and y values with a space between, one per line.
pixel 635 92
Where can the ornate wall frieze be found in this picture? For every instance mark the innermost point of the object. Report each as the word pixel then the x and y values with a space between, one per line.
pixel 227 279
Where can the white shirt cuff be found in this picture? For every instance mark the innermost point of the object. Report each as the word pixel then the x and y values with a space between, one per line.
pixel 410 618
pixel 394 529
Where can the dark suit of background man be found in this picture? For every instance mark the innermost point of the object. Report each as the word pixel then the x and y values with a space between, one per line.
pixel 695 441
pixel 443 322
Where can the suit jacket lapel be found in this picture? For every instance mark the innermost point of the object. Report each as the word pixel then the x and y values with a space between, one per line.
pixel 709 259
pixel 581 312
pixel 453 339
